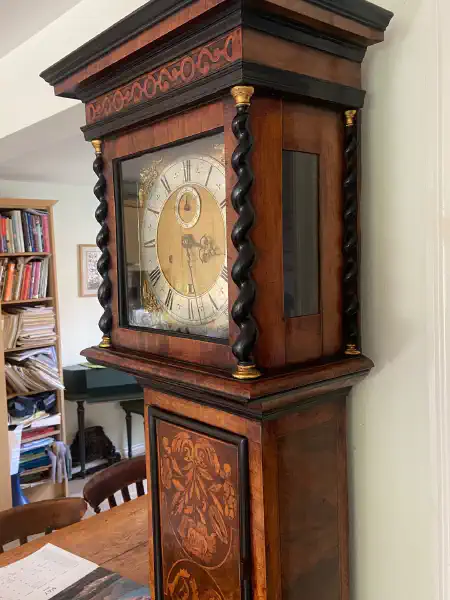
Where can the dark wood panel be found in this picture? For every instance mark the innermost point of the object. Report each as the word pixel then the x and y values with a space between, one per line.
pixel 303 35
pixel 326 20
pixel 252 432
pixel 200 508
pixel 267 234
pixel 197 121
pixel 303 338
pixel 313 530
pixel 309 129
pixel 272 509
pixel 281 54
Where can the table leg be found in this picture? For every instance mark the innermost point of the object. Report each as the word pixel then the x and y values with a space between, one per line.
pixel 82 447
pixel 128 420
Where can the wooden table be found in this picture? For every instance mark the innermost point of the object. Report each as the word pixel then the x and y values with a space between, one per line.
pixel 116 539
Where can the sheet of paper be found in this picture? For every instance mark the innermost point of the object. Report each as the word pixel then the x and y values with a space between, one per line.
pixel 43 574
pixel 46 421
pixel 14 439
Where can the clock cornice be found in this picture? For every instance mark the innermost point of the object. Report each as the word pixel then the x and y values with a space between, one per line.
pixel 152 13
pixel 79 74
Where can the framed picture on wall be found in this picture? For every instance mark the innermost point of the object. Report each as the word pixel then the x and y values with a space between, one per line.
pixel 88 277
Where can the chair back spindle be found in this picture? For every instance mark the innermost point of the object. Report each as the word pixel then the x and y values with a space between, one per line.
pixel 116 479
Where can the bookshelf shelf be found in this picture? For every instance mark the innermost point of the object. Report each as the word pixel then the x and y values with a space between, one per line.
pixel 30 300
pixel 24 348
pixel 28 266
pixel 18 254
pixel 10 396
pixel 35 484
pixel 36 470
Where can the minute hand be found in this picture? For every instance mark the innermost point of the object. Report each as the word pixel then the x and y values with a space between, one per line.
pixel 189 262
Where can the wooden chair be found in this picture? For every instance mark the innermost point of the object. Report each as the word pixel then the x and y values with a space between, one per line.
pixel 39 517
pixel 103 485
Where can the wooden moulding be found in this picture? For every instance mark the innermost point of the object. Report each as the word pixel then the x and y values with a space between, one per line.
pixel 348 19
pixel 264 398
pixel 315 51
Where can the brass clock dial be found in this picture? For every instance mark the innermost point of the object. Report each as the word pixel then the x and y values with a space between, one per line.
pixel 183 244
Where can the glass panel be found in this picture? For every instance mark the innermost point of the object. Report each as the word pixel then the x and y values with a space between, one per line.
pixel 300 233
pixel 173 203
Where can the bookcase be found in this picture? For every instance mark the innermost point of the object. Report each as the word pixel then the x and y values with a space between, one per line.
pixel 30 365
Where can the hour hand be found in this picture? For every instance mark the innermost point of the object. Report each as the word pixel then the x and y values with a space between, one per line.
pixel 188 241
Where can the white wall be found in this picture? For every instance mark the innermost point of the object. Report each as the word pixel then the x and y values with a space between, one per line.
pixel 393 500
pixel 75 224
pixel 30 98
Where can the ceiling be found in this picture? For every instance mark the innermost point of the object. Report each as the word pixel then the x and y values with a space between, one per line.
pixel 52 150
pixel 21 19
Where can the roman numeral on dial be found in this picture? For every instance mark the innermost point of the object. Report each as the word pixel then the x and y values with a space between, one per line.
pixel 169 300
pixel 155 275
pixel 187 170
pixel 166 184
pixel 150 244
pixel 224 273
pixel 208 176
pixel 191 309
pixel 223 204
pixel 212 302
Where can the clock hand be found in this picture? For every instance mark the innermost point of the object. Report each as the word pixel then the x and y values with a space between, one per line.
pixel 207 247
pixel 189 262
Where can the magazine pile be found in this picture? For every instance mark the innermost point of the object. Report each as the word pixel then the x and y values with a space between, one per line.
pixel 31 371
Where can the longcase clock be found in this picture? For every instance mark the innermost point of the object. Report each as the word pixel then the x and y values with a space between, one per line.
pixel 226 149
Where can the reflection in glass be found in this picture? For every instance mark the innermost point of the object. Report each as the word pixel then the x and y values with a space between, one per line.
pixel 300 233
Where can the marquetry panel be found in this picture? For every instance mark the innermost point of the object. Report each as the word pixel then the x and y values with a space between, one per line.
pixel 200 510
pixel 198 64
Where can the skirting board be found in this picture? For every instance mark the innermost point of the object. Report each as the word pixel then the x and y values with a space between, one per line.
pixel 136 449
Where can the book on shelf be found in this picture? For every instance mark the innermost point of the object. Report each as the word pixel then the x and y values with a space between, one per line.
pixel 23 278
pixel 31 371
pixel 28 326
pixel 38 432
pixel 34 454
pixel 24 231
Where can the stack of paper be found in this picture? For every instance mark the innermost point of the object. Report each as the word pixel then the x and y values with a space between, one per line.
pixel 52 572
pixel 32 371
pixel 39 419
pixel 28 326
